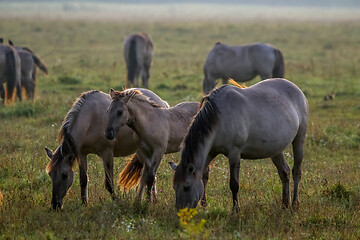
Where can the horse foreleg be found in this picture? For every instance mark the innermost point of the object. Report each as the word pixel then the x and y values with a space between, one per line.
pixel 108 161
pixel 150 178
pixel 209 83
pixel 144 174
pixel 234 160
pixel 298 149
pixel 83 179
pixel 264 76
pixel 225 80
pixel 284 174
pixel 205 178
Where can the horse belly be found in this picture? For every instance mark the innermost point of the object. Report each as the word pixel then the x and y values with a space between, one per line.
pixel 268 144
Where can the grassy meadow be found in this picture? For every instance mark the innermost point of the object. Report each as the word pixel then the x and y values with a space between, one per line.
pixel 321 57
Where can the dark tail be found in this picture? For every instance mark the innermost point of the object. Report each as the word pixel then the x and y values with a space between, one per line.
pixel 11 74
pixel 132 61
pixel 279 68
pixel 130 176
pixel 40 64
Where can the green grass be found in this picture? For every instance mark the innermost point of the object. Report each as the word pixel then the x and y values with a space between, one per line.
pixel 321 58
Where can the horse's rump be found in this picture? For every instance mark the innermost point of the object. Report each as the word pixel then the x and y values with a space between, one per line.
pixel 11 73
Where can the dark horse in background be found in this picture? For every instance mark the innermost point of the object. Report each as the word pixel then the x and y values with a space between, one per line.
pixel 241 63
pixel 9 72
pixel 29 62
pixel 138 53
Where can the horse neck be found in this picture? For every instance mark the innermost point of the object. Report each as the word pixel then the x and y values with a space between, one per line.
pixel 145 115
pixel 201 152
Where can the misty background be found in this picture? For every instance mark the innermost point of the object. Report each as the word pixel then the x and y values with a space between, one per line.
pixel 185 10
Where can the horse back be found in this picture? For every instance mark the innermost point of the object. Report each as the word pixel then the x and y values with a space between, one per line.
pixel 261 120
pixel 143 43
pixel 242 62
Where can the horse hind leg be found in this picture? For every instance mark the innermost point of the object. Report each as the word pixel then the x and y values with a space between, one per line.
pixel 298 149
pixel 145 75
pixel 2 93
pixel 284 174
pixel 108 162
pixel 29 86
pixel 18 91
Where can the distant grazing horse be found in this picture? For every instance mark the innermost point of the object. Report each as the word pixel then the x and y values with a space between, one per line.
pixel 9 72
pixel 250 123
pixel 81 133
pixel 138 53
pixel 241 63
pixel 29 61
pixel 161 130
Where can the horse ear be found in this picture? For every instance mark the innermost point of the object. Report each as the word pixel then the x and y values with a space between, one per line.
pixel 173 165
pixel 190 168
pixel 112 92
pixel 48 152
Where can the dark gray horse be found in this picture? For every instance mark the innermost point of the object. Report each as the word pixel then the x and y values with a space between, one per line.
pixel 249 123
pixel 29 62
pixel 241 63
pixel 138 53
pixel 9 73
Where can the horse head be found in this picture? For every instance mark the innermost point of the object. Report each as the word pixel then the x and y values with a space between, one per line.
pixel 118 113
pixel 61 174
pixel 188 186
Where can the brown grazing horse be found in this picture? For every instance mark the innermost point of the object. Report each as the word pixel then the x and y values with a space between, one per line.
pixel 81 133
pixel 161 130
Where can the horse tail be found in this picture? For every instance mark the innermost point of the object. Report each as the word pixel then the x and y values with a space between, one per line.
pixel 132 61
pixel 40 64
pixel 11 73
pixel 130 176
pixel 279 68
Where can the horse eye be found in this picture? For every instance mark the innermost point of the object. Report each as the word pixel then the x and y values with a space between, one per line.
pixel 64 175
pixel 119 112
pixel 187 188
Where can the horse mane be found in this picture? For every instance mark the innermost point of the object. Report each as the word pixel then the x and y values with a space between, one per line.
pixel 202 126
pixel 134 94
pixel 67 144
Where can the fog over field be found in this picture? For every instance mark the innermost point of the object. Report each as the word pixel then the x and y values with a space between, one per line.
pixel 184 10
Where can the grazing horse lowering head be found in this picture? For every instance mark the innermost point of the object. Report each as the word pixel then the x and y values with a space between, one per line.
pixel 188 187
pixel 118 111
pixel 60 169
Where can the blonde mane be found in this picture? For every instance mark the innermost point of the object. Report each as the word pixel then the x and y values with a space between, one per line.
pixel 133 94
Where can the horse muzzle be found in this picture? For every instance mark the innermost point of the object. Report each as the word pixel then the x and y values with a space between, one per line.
pixel 110 133
pixel 56 205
